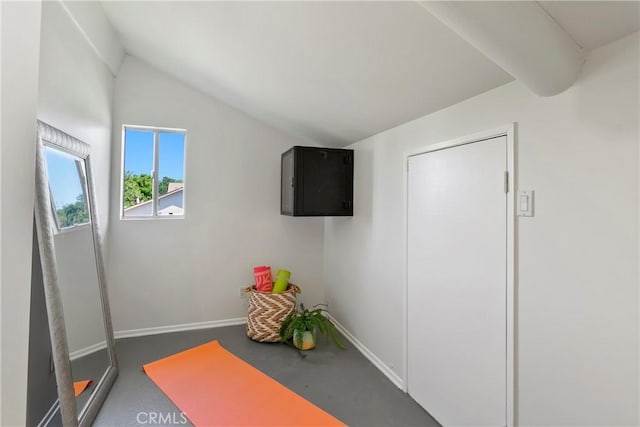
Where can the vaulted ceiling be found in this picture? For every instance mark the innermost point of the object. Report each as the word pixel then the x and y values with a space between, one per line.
pixel 333 72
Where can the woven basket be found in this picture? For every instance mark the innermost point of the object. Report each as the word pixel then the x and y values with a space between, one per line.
pixel 267 311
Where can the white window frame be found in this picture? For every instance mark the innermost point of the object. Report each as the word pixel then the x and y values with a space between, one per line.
pixel 154 173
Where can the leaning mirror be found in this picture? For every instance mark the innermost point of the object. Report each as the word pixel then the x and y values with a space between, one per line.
pixel 74 281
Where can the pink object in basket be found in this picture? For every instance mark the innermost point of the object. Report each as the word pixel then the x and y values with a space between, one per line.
pixel 263 278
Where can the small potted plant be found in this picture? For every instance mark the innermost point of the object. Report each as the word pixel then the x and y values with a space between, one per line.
pixel 302 325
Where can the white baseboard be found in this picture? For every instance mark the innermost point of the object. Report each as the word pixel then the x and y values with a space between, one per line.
pixel 387 371
pixel 87 350
pixel 130 333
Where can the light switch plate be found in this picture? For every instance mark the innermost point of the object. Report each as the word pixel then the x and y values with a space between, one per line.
pixel 524 203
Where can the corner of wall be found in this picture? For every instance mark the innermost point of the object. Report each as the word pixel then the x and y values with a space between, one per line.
pixel 91 20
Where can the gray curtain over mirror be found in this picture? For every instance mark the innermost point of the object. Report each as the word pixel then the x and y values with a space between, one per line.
pixel 73 274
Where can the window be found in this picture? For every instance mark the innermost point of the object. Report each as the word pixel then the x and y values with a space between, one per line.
pixel 153 172
pixel 67 189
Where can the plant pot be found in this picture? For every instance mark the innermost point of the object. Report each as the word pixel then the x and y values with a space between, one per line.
pixel 306 342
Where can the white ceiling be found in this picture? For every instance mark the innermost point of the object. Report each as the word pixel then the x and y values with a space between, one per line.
pixel 592 24
pixel 333 72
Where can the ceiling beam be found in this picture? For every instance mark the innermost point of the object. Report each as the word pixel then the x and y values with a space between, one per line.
pixel 520 37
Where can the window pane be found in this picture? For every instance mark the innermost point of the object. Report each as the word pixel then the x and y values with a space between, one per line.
pixel 138 166
pixel 170 173
pixel 68 197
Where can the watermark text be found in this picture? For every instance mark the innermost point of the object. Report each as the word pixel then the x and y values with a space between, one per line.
pixel 161 418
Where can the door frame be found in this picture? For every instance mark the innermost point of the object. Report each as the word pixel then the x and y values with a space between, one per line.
pixel 511 273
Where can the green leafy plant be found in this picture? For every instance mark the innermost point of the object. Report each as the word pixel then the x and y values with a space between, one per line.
pixel 73 213
pixel 137 188
pixel 314 320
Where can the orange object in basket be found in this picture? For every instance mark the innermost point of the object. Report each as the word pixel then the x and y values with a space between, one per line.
pixel 263 278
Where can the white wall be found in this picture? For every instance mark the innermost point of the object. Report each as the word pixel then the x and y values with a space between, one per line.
pixel 76 95
pixel 20 28
pixel 91 21
pixel 578 257
pixel 176 271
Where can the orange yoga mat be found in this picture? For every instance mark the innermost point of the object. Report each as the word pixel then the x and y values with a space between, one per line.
pixel 80 386
pixel 213 387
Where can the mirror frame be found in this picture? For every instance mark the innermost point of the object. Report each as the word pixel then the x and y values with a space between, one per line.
pixel 49 136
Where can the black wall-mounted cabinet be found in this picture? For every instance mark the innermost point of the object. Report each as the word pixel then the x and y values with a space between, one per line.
pixel 317 182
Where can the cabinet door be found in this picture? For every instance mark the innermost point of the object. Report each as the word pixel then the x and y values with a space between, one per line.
pixel 326 181
pixel 287 183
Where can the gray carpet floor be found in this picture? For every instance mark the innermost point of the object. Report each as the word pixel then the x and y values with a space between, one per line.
pixel 342 382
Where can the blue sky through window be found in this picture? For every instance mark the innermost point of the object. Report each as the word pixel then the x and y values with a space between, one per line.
pixel 171 160
pixel 138 151
pixel 138 154
pixel 63 177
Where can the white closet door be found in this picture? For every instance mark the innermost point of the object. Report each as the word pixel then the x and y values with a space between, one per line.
pixel 457 283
